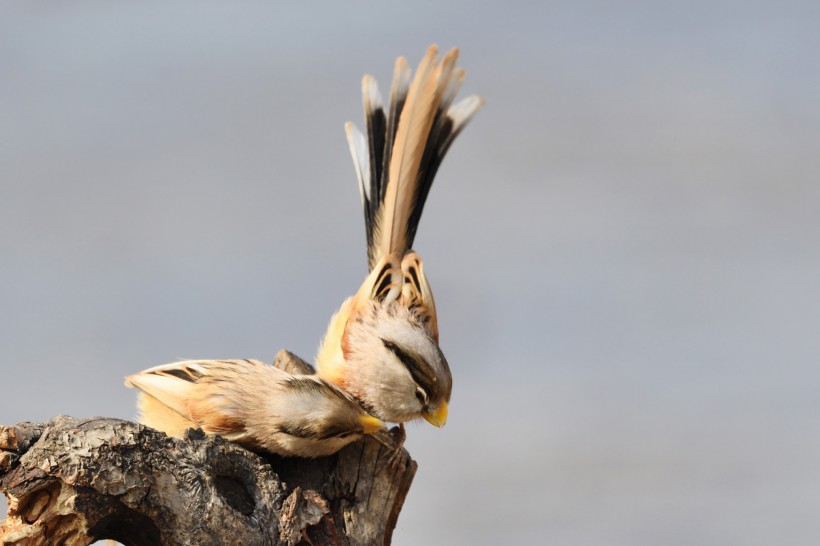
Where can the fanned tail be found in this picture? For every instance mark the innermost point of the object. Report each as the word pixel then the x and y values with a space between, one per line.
pixel 397 162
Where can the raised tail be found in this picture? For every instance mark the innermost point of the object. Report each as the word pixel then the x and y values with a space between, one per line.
pixel 404 147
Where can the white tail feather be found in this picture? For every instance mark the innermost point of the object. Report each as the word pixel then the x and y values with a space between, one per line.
pixel 361 158
pixel 464 110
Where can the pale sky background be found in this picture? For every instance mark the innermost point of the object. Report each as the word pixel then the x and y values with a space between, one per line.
pixel 623 244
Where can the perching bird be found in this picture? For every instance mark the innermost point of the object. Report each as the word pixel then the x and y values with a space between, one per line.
pixel 257 406
pixel 382 345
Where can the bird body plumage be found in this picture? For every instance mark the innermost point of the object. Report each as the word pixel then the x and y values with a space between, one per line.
pixel 253 404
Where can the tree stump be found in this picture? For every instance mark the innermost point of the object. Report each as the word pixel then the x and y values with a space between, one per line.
pixel 75 481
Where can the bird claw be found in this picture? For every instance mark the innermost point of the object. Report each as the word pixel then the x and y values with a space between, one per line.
pixel 393 441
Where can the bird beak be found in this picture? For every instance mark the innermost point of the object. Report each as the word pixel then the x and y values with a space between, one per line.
pixel 370 424
pixel 438 417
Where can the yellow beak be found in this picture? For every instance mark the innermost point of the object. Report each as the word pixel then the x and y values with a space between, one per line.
pixel 371 424
pixel 438 417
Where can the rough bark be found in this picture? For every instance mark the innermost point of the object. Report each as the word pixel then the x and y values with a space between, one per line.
pixel 72 482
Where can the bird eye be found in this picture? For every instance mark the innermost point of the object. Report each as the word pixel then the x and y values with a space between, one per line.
pixel 344 434
pixel 422 396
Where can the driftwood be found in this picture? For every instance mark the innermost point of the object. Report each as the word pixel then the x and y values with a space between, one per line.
pixel 73 482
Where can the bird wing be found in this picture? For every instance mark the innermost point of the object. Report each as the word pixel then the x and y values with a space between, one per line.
pixel 416 293
pixel 205 392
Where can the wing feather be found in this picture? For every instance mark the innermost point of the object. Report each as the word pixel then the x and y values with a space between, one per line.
pixel 200 391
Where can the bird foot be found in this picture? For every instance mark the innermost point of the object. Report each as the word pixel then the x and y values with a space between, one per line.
pixel 393 441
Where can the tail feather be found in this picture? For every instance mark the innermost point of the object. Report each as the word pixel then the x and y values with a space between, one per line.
pixel 376 127
pixel 398 96
pixel 411 137
pixel 405 147
pixel 444 133
pixel 361 162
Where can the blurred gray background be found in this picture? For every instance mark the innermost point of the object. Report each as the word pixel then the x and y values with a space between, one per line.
pixel 623 244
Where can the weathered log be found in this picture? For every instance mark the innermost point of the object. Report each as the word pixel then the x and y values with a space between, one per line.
pixel 75 481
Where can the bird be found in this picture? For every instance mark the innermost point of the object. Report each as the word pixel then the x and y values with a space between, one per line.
pixel 257 406
pixel 382 345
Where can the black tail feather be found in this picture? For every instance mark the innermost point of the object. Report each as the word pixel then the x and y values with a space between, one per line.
pixel 376 133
